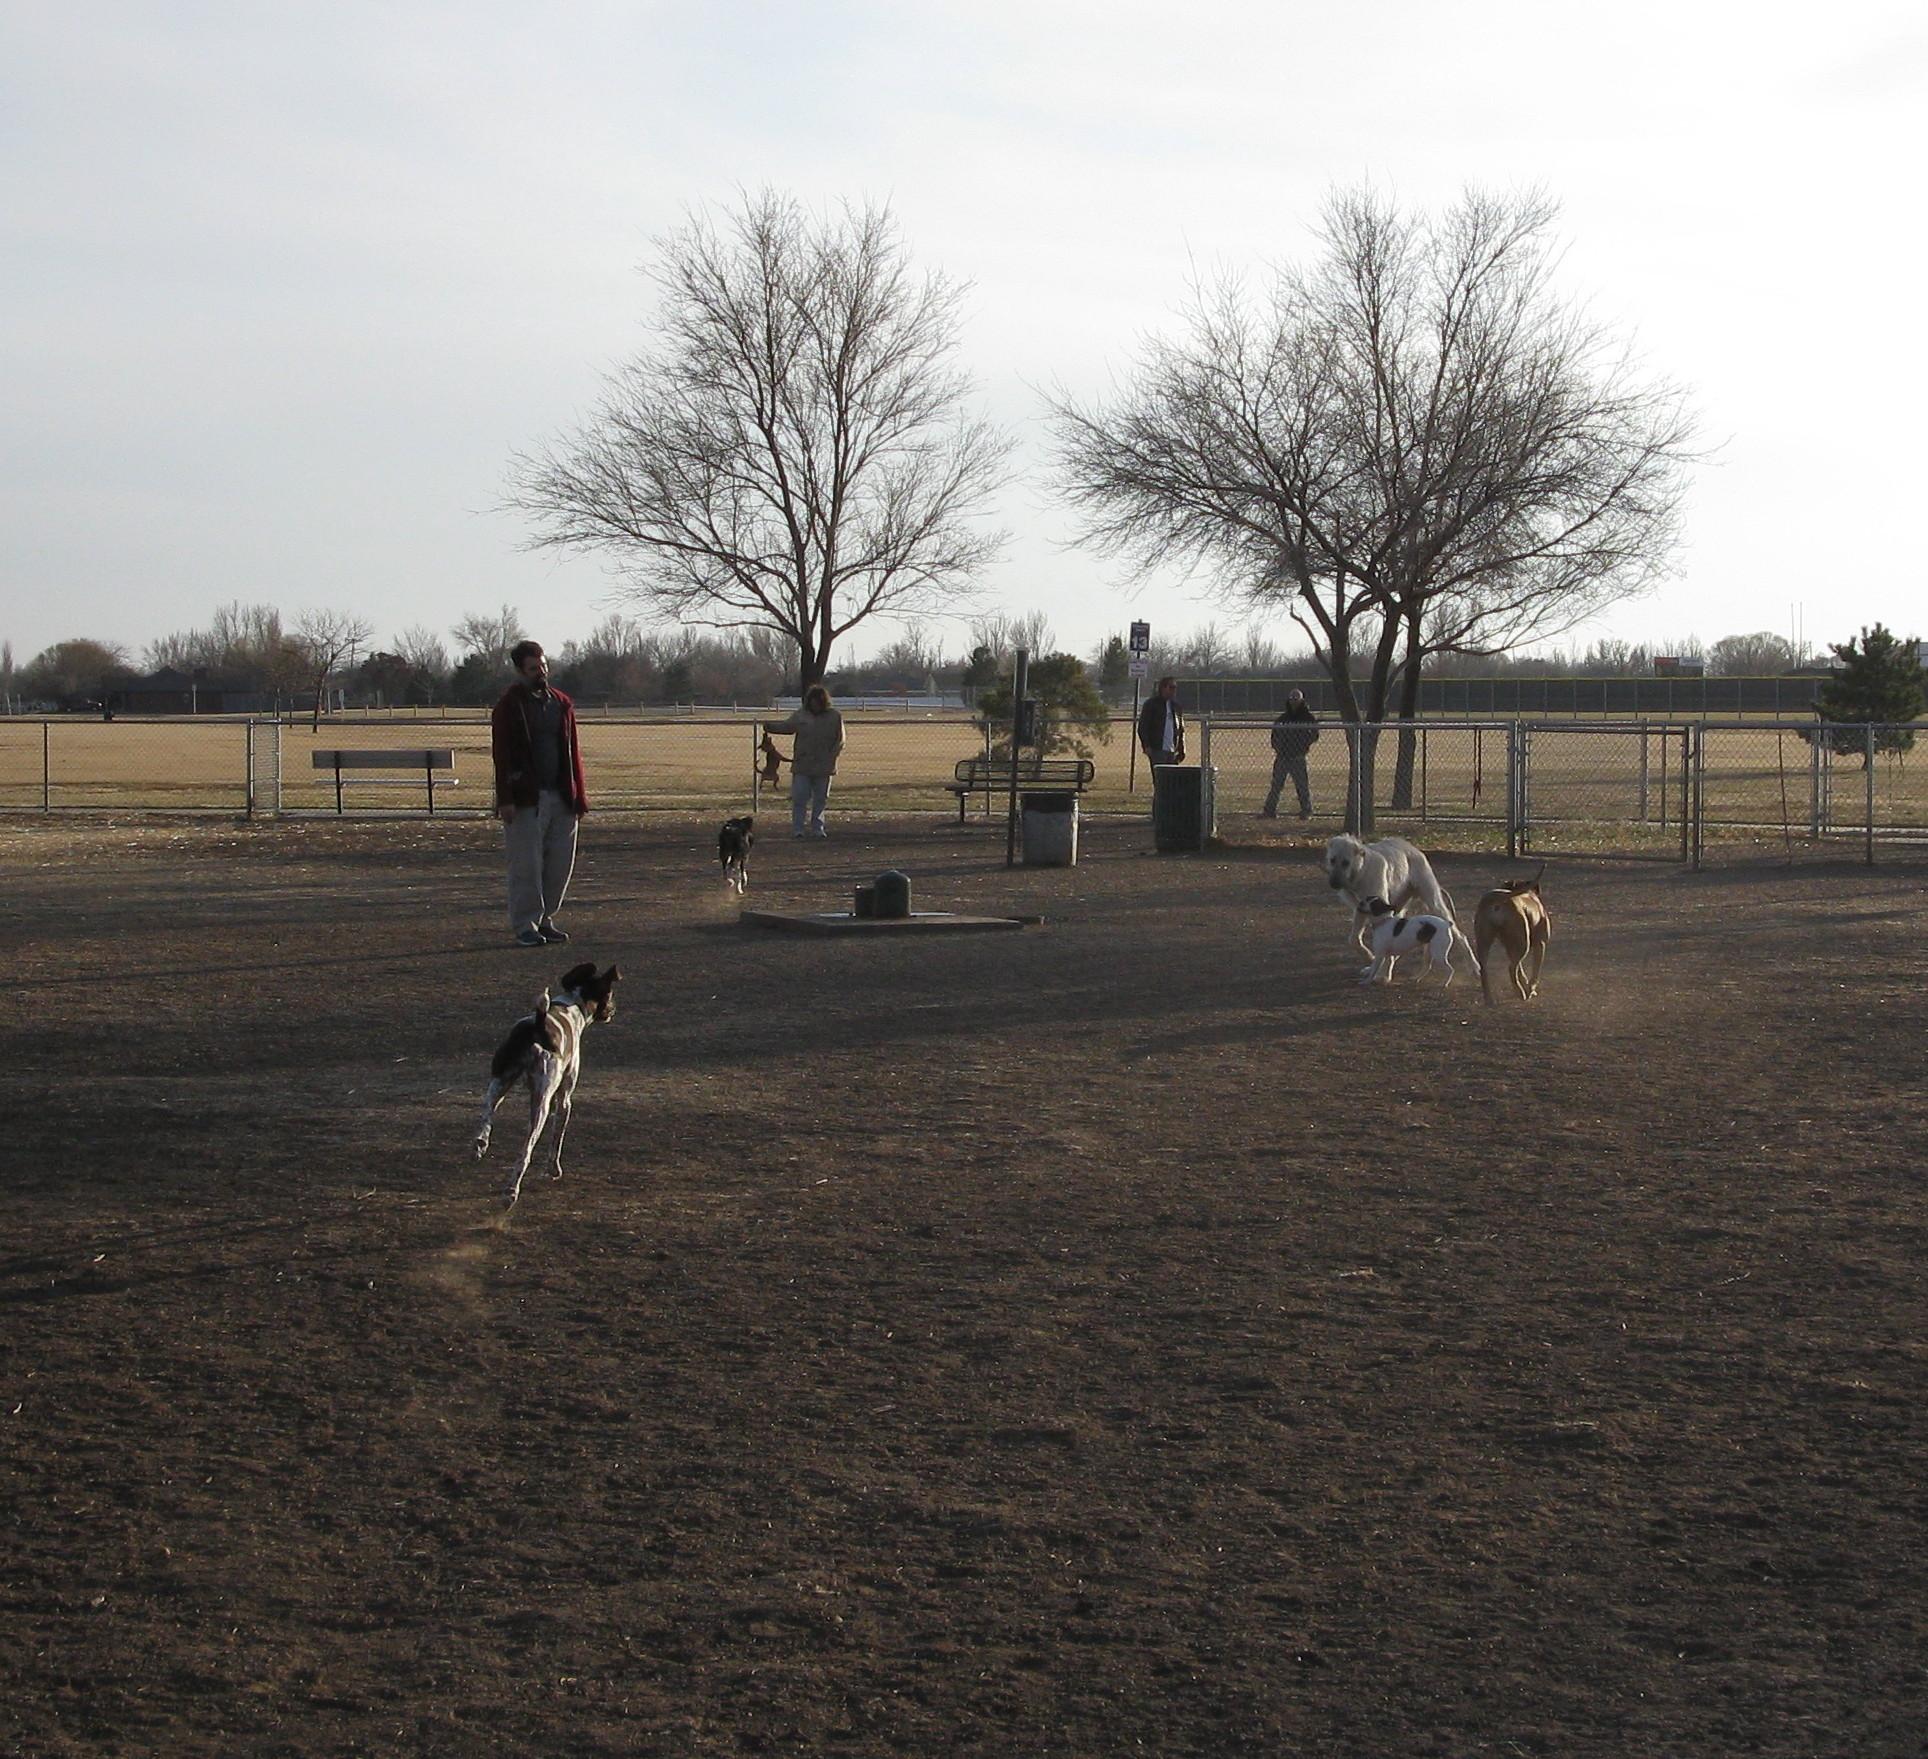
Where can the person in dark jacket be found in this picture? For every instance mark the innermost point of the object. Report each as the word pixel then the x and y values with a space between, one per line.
pixel 1293 735
pixel 1161 725
pixel 538 794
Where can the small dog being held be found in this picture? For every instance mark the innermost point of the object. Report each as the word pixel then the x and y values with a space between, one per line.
pixel 1514 918
pixel 1392 870
pixel 733 843
pixel 545 1050
pixel 1393 936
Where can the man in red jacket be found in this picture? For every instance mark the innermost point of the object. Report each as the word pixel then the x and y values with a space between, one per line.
pixel 538 794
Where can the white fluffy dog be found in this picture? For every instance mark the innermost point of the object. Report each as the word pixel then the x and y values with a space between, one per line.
pixel 1391 869
pixel 1394 936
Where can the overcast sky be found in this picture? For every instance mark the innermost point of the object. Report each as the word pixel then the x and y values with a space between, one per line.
pixel 284 286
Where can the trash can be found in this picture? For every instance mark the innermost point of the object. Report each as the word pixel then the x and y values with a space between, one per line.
pixel 1049 827
pixel 1182 819
pixel 890 896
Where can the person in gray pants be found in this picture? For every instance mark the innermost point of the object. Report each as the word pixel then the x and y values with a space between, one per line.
pixel 538 794
pixel 1293 734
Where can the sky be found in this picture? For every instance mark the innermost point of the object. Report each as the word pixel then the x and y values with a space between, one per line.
pixel 283 289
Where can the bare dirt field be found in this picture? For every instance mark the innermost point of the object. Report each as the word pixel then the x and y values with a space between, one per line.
pixel 1123 1335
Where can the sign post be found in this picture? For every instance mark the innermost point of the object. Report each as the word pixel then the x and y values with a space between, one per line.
pixel 1140 667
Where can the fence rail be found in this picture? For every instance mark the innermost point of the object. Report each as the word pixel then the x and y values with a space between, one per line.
pixel 1670 789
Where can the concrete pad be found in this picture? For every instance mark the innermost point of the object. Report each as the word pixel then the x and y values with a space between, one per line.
pixel 917 922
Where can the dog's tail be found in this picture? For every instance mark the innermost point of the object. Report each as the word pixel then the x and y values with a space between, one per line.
pixel 1446 898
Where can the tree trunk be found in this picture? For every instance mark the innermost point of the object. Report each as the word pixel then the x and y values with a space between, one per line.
pixel 1402 780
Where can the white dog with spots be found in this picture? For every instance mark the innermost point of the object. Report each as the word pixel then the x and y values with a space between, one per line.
pixel 1392 937
pixel 1391 869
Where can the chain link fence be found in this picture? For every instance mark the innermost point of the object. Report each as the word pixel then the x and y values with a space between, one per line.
pixel 1690 791
pixel 1681 790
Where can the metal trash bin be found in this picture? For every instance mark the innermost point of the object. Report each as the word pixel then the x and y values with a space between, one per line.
pixel 1048 826
pixel 1182 816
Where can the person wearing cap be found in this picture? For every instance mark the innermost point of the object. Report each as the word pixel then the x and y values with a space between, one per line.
pixel 1293 734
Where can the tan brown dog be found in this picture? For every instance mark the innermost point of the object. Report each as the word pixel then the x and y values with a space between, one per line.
pixel 1515 916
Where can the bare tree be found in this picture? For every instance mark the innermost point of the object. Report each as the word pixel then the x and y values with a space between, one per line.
pixel 795 451
pixel 1033 633
pixel 328 640
pixel 994 634
pixel 490 635
pixel 1760 655
pixel 1415 440
pixel 1208 649
pixel 916 653
pixel 423 651
pixel 1259 653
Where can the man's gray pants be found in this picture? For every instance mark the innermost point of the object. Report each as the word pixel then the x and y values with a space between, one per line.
pixel 1284 766
pixel 542 854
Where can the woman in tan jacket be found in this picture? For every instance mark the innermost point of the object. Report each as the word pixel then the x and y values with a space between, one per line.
pixel 813 759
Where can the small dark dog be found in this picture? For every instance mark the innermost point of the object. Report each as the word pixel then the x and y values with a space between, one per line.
pixel 545 1050
pixel 733 843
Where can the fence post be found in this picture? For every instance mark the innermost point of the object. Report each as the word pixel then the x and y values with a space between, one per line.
pixel 1867 756
pixel 247 758
pixel 1512 790
pixel 756 771
pixel 1643 772
pixel 46 766
pixel 1814 786
pixel 1693 764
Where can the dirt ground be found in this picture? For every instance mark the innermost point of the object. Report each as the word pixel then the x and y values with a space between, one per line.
pixel 1125 1335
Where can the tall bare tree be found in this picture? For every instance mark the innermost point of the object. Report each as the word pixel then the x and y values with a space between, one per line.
pixel 795 450
pixel 490 635
pixel 1759 655
pixel 423 651
pixel 328 640
pixel 994 633
pixel 1033 633
pixel 1415 439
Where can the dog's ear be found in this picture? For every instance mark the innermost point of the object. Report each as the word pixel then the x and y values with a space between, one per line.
pixel 749 821
pixel 576 976
pixel 612 976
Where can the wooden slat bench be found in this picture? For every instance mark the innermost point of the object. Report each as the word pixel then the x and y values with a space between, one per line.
pixel 426 764
pixel 991 776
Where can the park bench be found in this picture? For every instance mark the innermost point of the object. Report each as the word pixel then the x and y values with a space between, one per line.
pixel 425 764
pixel 991 776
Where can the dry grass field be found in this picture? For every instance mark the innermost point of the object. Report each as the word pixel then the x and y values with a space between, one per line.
pixel 1594 787
pixel 1122 1335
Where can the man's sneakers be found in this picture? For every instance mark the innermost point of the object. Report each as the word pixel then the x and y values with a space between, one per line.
pixel 549 932
pixel 530 938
